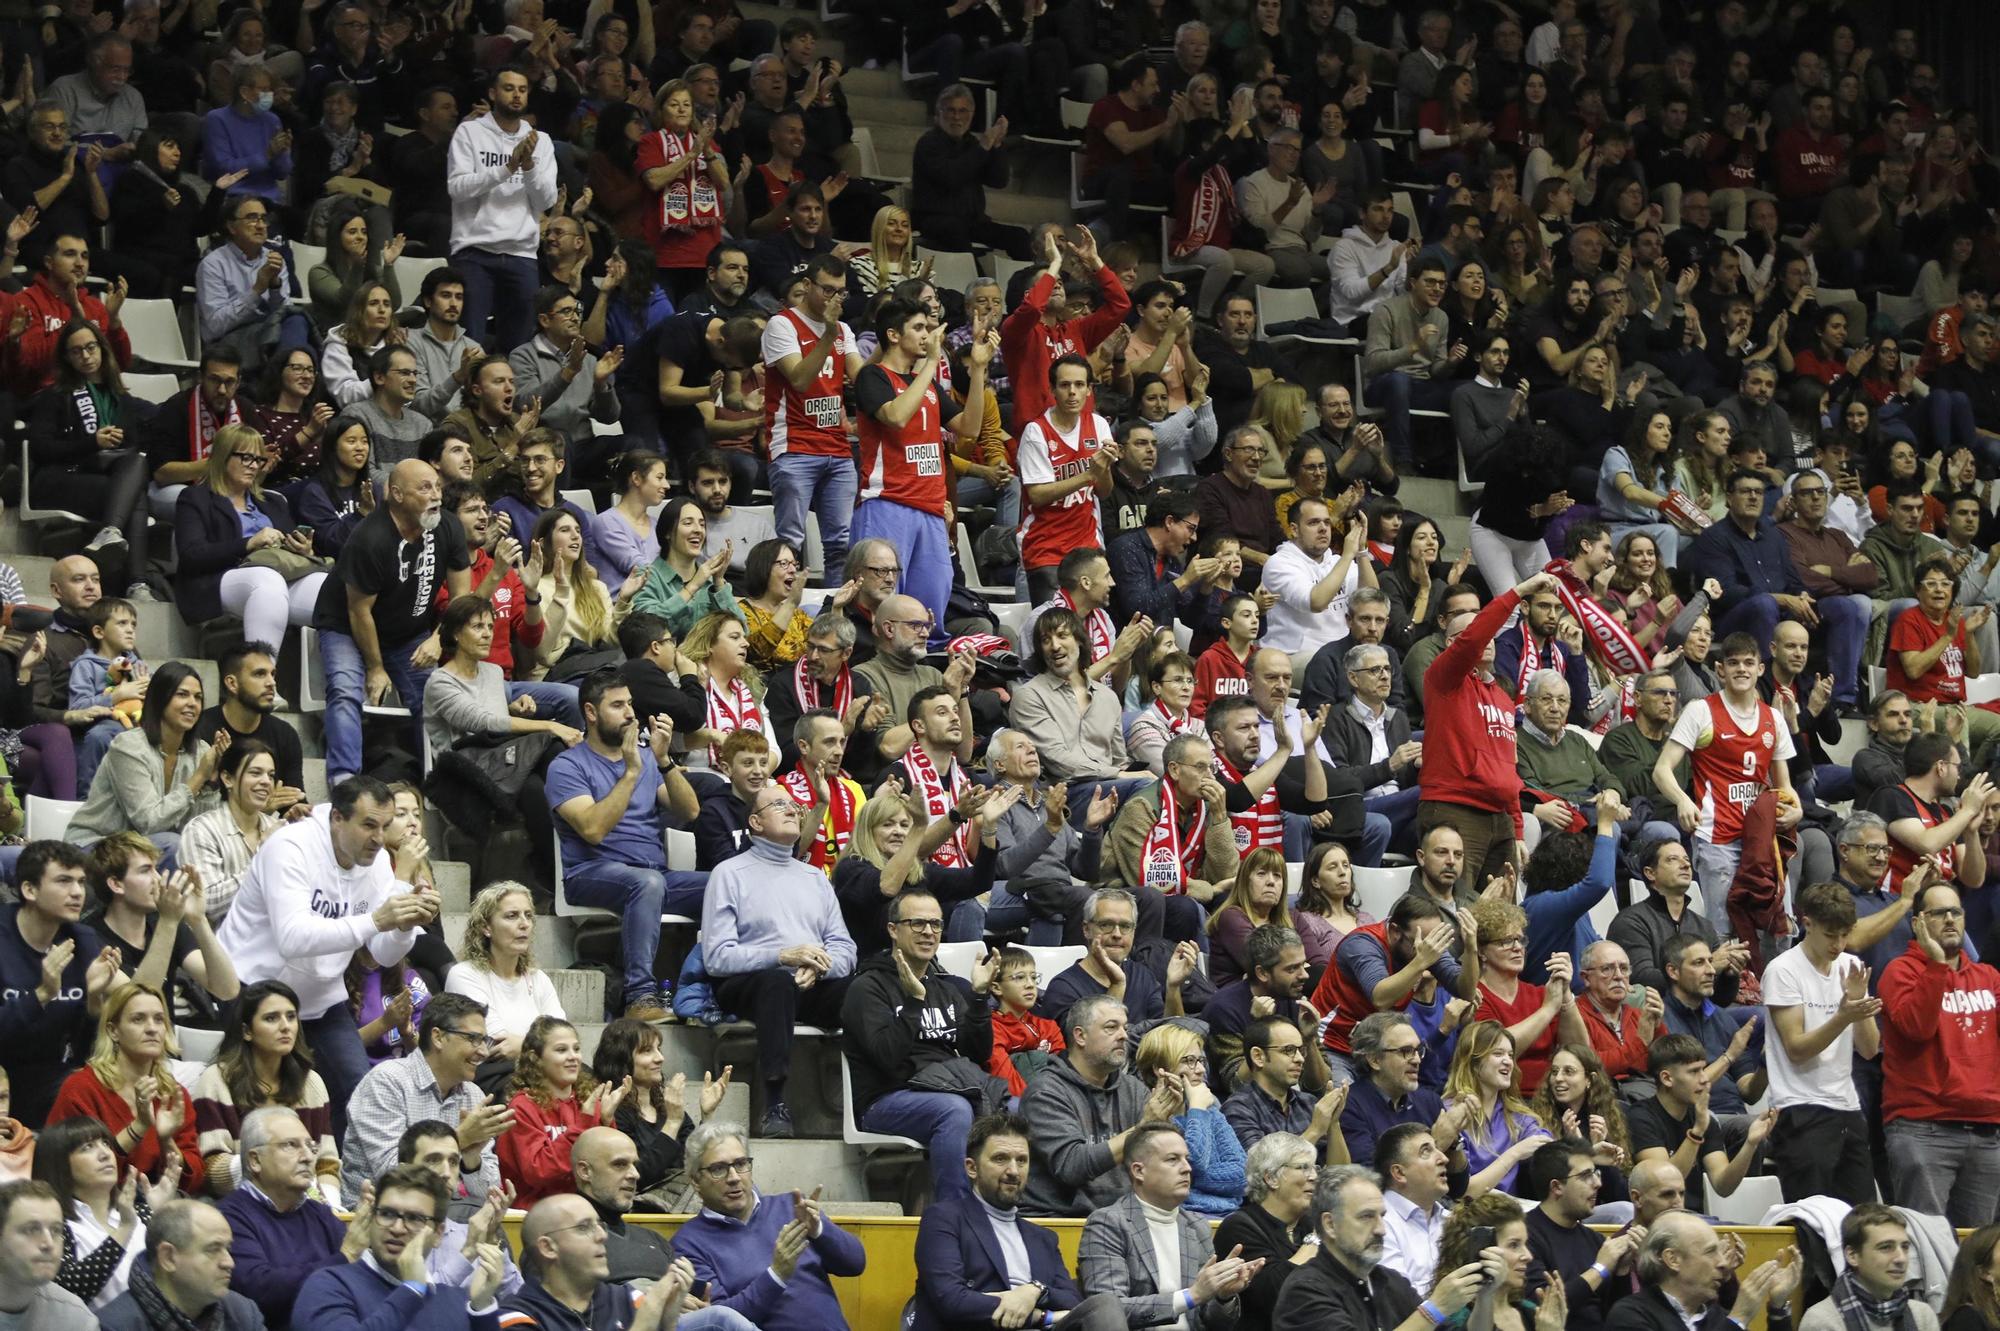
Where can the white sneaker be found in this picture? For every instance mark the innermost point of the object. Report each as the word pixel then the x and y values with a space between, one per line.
pixel 140 592
pixel 106 536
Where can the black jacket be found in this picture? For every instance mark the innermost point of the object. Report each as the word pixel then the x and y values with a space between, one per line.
pixel 57 440
pixel 890 1036
pixel 1648 1310
pixel 1324 1293
pixel 208 536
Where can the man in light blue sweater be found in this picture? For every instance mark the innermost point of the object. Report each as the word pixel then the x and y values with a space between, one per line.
pixel 773 939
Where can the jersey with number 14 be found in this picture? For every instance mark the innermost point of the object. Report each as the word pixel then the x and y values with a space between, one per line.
pixel 1047 455
pixel 904 464
pixel 812 420
pixel 1730 763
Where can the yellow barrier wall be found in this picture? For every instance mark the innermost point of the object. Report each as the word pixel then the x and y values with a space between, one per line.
pixel 875 1300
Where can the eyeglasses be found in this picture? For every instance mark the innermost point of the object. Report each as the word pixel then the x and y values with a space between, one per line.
pixel 566 311
pixel 1872 847
pixel 930 924
pixel 722 1169
pixel 1511 940
pixel 1369 670
pixel 880 572
pixel 592 1228
pixel 1807 491
pixel 403 1219
pixel 1114 926
pixel 254 459
pixel 1582 1174
pixel 924 623
pixel 476 1040
pixel 1404 1050
pixel 1944 913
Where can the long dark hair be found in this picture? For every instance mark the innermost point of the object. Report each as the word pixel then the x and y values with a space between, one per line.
pixel 272 382
pixel 108 377
pixel 1399 557
pixel 167 679
pixel 612 145
pixel 238 1061
pixel 616 1046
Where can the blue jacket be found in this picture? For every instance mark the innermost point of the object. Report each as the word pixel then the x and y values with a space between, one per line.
pixel 275 1252
pixel 532 1305
pixel 360 1297
pixel 1746 566
pixel 735 1259
pixel 961 1272
pixel 1559 921
pixel 1507 649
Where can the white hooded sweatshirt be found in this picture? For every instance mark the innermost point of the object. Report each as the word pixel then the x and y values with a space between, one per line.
pixel 494 207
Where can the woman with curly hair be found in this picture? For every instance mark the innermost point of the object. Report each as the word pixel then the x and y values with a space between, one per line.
pixel 496 966
pixel 263 1061
pixel 1503 1305
pixel 654 1115
pixel 1485 1113
pixel 555 1100
pixel 1578 1100
pixel 1514 256
pixel 1215 1155
pixel 104 1215
pixel 1534 1014
pixel 129 1087
pixel 1257 898
pixel 890 852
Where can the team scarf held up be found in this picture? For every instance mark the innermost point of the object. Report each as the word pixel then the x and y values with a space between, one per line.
pixel 836 829
pixel 1611 640
pixel 737 712
pixel 938 800
pixel 690 201
pixel 1166 860
pixel 1263 823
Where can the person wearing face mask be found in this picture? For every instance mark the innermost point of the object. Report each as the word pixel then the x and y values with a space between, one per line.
pixel 248 136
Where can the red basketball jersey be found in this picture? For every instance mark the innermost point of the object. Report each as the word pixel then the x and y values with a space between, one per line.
pixel 1732 769
pixel 814 420
pixel 905 463
pixel 1050 531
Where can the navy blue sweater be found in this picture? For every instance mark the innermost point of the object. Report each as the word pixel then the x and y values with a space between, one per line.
pixel 360 1297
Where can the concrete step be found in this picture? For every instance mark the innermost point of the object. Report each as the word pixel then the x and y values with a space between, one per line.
pixel 883 112
pixel 454 884
pixel 581 992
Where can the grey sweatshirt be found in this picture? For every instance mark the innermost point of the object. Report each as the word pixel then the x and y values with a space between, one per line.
pixel 1070 1126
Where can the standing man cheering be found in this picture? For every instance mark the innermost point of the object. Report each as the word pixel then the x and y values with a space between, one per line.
pixel 501 175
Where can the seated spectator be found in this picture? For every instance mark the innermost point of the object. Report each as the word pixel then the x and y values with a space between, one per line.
pixel 436 1082
pixel 489 420
pixel 279 1232
pixel 342 491
pixel 553 1099
pixel 1271 1228
pixel 57 296
pixel 354 258
pixel 662 684
pixel 743 1247
pixel 582 624
pixel 110 676
pixel 389 378
pixel 1283 1086
pixel 1620 1034
pixel 1408 365
pixel 1347 1282
pixel 387 1003
pixel 1215 1155
pixel 1876 1243
pixel 32 1223
pixel 1231 503
pixel 604 1171
pixel 240 552
pixel 245 136
pixel 395 1266
pixel 653 1115
pixel 889 855
pixel 774 580
pixel 241 287
pixel 607 801
pixel 720 829
pixel 1679 1270
pixel 1417 1177
pixel 352 343
pixel 154 777
pixel 262 1062
pixel 217 846
pixel 496 967
pixel 1327 909
pixel 1593 1269
pixel 1483 1103
pixel 1631 748
pixel 158 921
pixel 291 411
pixel 1072 717
pixel 1385 1093
pixel 245 712
pixel 760 946
pixel 1382 967
pixel 158 216
pixel 41 930
pixel 1931 653
pixel 1081 1112
pixel 1675 1124
pixel 621 543
pixel 1645 927
pixel 104 1229
pixel 80 457
pixel 185 1277
pixel 1120 1255
pixel 681 586
pixel 1175 841
pixel 1256 899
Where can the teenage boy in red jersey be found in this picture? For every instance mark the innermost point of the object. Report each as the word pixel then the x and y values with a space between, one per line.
pixel 810 358
pixel 905 482
pixel 1066 455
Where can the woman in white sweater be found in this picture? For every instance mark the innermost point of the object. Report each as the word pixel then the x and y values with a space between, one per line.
pixel 496 966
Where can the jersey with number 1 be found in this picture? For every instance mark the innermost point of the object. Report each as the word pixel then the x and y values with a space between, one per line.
pixel 1047 455
pixel 905 463
pixel 813 419
pixel 1730 763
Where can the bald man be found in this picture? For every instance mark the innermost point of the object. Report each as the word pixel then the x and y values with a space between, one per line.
pixel 604 1166
pixel 377 615
pixel 76 586
pixel 568 1281
pixel 1657 1187
pixel 898 671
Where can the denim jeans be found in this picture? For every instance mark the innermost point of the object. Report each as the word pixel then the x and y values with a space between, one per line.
pixel 339 1057
pixel 935 1118
pixel 553 702
pixel 923 546
pixel 1715 871
pixel 826 485
pixel 641 896
pixel 90 752
pixel 500 289
pixel 346 677
pixel 1006 500
pixel 1947 1169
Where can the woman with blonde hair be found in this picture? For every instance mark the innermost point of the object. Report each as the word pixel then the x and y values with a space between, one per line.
pixel 1215 1154
pixel 1281 410
pixel 891 851
pixel 496 966
pixel 1257 898
pixel 581 631
pixel 1484 1112
pixel 129 1087
pixel 891 256
pixel 718 647
pixel 555 1100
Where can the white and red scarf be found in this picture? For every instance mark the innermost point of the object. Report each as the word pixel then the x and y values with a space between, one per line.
pixel 1097 621
pixel 1611 640
pixel 202 424
pixel 1166 860
pixel 690 201
pixel 738 711
pixel 939 795
pixel 1263 823
pixel 809 690
pixel 1187 724
pixel 1211 206
pixel 836 829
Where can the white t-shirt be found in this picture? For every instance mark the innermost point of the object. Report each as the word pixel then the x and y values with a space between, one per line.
pixel 511 1005
pixel 1292 625
pixel 1827 1080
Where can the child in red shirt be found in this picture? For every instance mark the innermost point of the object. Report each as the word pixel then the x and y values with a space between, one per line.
pixel 1016 1030
pixel 1220 672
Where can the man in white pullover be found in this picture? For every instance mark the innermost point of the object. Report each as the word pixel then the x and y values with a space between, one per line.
pixel 318 890
pixel 1367 266
pixel 501 176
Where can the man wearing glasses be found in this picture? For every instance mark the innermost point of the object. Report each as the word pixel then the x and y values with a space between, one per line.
pixel 1835 575
pixel 395 426
pixel 1151 573
pixel 574 385
pixel 241 289
pixel 1940 1014
pixel 392 1275
pixel 1565 1180
pixel 435 1082
pixel 280 1231
pixel 1410 358
pixel 1233 503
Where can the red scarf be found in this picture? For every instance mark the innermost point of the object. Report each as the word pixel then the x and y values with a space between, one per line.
pixel 202 424
pixel 1186 725
pixel 1097 621
pixel 1166 860
pixel 1210 208
pixel 689 202
pixel 939 797
pixel 1613 642
pixel 808 690
pixel 736 712
pixel 837 827
pixel 1263 823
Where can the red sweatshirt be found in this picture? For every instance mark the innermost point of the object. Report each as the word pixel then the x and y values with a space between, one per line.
pixel 30 361
pixel 1028 346
pixel 1218 674
pixel 1026 1033
pixel 510 613
pixel 1939 1029
pixel 1807 165
pixel 534 1155
pixel 84 1096
pixel 1469 723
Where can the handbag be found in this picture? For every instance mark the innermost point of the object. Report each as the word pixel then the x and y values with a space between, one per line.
pixel 290 563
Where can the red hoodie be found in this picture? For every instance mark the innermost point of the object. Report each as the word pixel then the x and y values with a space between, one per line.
pixel 1807 164
pixel 1028 346
pixel 1939 1029
pixel 30 360
pixel 1469 723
